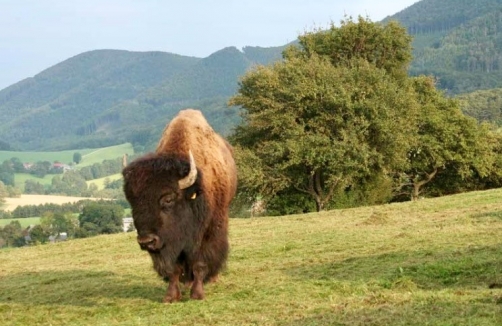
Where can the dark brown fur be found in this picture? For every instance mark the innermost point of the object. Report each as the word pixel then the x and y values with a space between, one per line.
pixel 184 231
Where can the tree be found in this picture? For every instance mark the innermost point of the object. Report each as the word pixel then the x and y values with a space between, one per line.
pixel 446 139
pixel 12 234
pixel 33 187
pixel 7 173
pixel 73 183
pixel 41 168
pixel 3 193
pixel 39 234
pixel 317 122
pixel 17 165
pixel 77 157
pixel 384 46
pixel 57 223
pixel 100 218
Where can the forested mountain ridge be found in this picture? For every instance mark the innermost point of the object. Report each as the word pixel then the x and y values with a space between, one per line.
pixel 458 41
pixel 104 97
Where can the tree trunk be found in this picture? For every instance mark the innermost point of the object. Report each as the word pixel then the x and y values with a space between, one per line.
pixel 319 204
pixel 417 184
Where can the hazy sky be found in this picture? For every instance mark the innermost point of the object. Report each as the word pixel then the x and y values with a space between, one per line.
pixel 36 34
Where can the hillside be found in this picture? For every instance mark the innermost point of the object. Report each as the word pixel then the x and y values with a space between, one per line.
pixel 456 40
pixel 434 262
pixel 106 97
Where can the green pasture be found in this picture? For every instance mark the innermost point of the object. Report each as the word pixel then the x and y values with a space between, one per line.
pixel 433 262
pixel 89 156
pixel 25 222
pixel 20 179
pixel 32 157
pixel 100 183
pixel 106 153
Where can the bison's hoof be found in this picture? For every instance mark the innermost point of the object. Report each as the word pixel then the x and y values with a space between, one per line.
pixel 170 299
pixel 197 296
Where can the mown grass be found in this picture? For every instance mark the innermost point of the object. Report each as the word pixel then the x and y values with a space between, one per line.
pixel 434 262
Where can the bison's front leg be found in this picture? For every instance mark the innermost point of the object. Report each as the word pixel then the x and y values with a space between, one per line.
pixel 173 292
pixel 199 272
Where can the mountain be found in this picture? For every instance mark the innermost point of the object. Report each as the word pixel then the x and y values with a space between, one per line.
pixel 458 41
pixel 105 97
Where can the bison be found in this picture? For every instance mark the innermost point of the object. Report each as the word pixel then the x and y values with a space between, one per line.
pixel 180 197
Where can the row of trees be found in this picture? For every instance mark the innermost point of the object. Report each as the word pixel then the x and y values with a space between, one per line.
pixel 67 208
pixel 94 218
pixel 340 122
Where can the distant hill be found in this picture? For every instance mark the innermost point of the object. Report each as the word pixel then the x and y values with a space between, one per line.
pixel 459 41
pixel 106 97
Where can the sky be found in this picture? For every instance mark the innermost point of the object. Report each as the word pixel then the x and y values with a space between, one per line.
pixel 37 34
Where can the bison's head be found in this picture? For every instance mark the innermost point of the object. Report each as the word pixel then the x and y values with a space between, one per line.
pixel 160 189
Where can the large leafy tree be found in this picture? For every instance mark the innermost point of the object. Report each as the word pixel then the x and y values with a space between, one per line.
pixel 384 46
pixel 325 116
pixel 100 218
pixel 446 139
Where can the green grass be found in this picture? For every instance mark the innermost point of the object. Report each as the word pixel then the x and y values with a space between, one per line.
pixel 433 262
pixel 89 156
pixel 106 153
pixel 20 179
pixel 25 222
pixel 32 157
pixel 100 183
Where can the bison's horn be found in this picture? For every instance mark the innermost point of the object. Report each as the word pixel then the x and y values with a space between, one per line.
pixel 192 175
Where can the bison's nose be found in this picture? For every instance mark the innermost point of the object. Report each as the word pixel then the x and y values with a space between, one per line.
pixel 149 242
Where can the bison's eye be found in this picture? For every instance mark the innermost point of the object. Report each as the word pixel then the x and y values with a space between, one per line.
pixel 167 201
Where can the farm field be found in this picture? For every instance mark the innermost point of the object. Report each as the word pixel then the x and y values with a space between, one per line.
pixel 89 156
pixel 12 203
pixel 433 262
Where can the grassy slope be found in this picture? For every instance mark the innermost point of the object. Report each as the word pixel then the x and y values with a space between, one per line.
pixel 106 153
pixel 89 156
pixel 100 183
pixel 31 157
pixel 421 263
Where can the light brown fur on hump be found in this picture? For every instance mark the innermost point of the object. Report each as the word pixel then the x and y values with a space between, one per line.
pixel 189 130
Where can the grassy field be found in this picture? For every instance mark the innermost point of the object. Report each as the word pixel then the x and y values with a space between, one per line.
pixel 100 183
pixel 25 222
pixel 433 262
pixel 20 179
pixel 31 157
pixel 89 156
pixel 106 153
